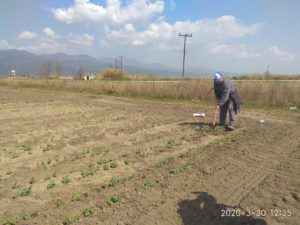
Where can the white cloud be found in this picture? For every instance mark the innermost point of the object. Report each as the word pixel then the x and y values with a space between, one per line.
pixel 172 4
pixel 281 54
pixel 4 45
pixel 85 39
pixel 83 11
pixel 164 35
pixel 27 35
pixel 46 47
pixel 50 33
pixel 241 51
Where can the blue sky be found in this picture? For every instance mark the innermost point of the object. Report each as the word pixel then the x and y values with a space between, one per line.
pixel 228 35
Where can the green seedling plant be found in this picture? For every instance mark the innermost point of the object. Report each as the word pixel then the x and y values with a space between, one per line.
pixel 107 163
pixel 22 192
pixel 89 211
pixel 142 153
pixel 42 165
pixel 66 179
pixel 59 203
pixel 176 170
pixel 148 184
pixel 51 183
pixel 15 155
pixel 32 215
pixel 71 219
pixel 127 161
pixel 47 147
pixel 27 148
pixel 87 172
pixel 76 197
pixel 114 164
pixel 113 182
pixel 125 155
pixel 133 140
pixel 113 199
pixel 172 143
pixel 62 142
pixel 12 221
pixel 188 165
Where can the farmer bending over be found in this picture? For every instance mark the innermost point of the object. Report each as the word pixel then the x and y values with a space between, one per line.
pixel 228 99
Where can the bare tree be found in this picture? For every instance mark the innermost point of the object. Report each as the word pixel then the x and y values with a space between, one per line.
pixel 58 70
pixel 46 69
pixel 80 73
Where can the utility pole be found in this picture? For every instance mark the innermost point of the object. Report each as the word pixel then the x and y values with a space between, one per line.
pixel 116 64
pixel 268 72
pixel 183 60
pixel 121 64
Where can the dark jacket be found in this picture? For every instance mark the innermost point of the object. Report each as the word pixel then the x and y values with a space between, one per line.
pixel 225 91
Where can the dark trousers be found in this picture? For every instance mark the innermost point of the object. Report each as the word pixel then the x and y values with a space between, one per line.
pixel 228 107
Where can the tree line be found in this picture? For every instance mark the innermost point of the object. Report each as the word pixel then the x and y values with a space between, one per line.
pixel 54 70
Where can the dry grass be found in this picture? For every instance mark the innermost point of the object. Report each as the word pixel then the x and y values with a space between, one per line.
pixel 261 93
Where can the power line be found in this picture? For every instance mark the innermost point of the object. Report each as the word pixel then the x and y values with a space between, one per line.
pixel 184 46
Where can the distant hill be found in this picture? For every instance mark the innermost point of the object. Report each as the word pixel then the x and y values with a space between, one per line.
pixel 27 63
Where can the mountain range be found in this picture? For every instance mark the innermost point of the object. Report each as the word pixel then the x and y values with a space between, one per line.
pixel 27 63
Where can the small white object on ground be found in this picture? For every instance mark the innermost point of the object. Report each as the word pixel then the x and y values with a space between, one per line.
pixel 261 122
pixel 293 108
pixel 198 114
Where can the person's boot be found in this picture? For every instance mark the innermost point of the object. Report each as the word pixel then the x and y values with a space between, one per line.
pixel 231 128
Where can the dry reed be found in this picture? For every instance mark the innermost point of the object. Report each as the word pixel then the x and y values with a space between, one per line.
pixel 261 93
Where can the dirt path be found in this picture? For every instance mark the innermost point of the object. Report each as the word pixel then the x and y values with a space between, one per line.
pixel 169 169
